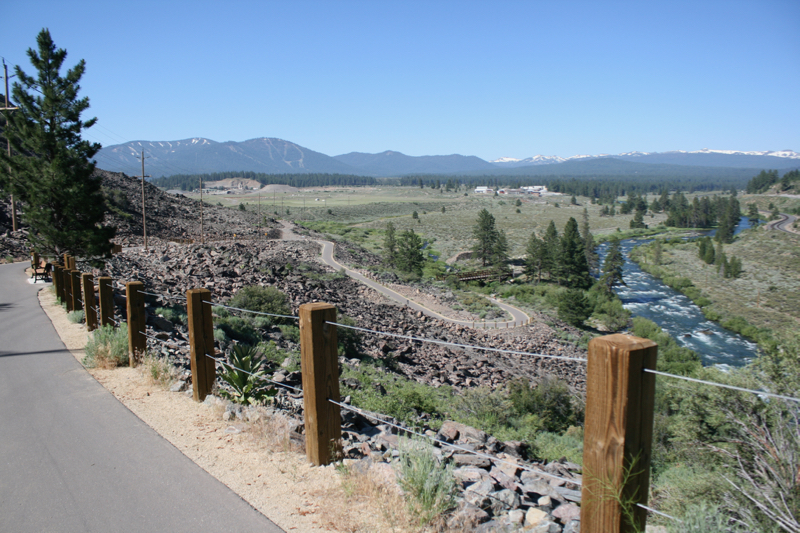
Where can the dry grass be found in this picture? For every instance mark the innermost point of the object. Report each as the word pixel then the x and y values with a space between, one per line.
pixel 158 370
pixel 369 489
pixel 766 292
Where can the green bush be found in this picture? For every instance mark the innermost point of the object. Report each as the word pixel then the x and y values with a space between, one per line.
pixel 428 483
pixel 174 313
pixel 704 518
pixel 76 317
pixel 107 347
pixel 239 329
pixel 550 400
pixel 262 300
pixel 549 446
pixel 242 372
pixel 573 307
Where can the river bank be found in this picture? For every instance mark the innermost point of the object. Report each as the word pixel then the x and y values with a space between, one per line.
pixel 761 301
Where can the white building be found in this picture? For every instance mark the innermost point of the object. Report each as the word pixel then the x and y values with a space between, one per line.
pixel 483 190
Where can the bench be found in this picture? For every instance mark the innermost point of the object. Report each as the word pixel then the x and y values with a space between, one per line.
pixel 40 270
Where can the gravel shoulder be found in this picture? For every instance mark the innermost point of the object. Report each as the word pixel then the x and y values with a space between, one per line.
pixel 282 485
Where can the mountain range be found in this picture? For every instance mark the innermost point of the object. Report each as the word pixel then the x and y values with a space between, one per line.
pixel 277 156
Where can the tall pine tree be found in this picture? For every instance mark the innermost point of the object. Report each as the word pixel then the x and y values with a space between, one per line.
pixel 574 271
pixel 485 233
pixel 63 203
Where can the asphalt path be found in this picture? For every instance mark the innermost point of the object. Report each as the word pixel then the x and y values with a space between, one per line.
pixel 784 224
pixel 518 318
pixel 74 459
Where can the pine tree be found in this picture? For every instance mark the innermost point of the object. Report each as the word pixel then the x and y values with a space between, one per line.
pixel 613 265
pixel 64 204
pixel 588 243
pixel 657 252
pixel 752 214
pixel 409 252
pixel 534 257
pixel 550 251
pixel 390 246
pixel 485 233
pixel 574 270
pixel 500 251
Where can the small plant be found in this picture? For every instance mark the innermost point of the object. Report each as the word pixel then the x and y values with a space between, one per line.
pixel 158 370
pixel 108 347
pixel 174 313
pixel 243 373
pixel 428 482
pixel 704 518
pixel 76 317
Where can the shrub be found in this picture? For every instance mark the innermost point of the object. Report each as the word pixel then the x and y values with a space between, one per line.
pixel 550 400
pixel 553 446
pixel 243 372
pixel 107 347
pixel 429 483
pixel 174 313
pixel 262 300
pixel 573 307
pixel 76 317
pixel 158 369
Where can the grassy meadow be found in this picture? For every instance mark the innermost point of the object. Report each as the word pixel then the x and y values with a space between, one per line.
pixel 364 211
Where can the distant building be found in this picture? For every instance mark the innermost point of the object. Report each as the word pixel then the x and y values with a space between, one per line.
pixel 483 190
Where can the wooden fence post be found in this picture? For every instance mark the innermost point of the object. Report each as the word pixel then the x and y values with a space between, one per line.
pixel 67 282
pixel 57 279
pixel 201 342
pixel 106 300
pixel 320 368
pixel 137 343
pixel 618 433
pixel 75 289
pixel 89 301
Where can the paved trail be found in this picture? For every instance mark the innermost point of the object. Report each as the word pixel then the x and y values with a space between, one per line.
pixel 74 459
pixel 518 318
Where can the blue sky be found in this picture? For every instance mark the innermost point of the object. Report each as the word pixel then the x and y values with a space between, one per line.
pixel 476 78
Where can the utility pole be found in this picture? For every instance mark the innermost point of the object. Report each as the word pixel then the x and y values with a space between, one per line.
pixel 8 145
pixel 201 209
pixel 144 218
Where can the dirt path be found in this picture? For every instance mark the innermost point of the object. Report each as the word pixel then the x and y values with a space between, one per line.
pixel 253 460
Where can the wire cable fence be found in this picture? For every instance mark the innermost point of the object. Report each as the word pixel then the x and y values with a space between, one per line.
pixel 659 513
pixel 442 443
pixel 293 317
pixel 263 378
pixel 722 385
pixel 455 344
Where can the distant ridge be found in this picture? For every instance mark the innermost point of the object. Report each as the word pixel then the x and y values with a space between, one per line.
pixel 277 156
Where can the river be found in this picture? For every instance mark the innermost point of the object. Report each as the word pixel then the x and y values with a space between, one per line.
pixel 646 296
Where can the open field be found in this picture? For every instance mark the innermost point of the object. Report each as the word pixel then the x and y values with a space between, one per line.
pixel 766 292
pixel 370 208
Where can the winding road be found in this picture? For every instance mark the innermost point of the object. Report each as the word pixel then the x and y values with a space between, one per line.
pixel 518 317
pixel 784 224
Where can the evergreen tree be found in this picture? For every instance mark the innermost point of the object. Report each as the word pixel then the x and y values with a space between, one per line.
pixel 409 252
pixel 500 251
pixel 390 246
pixel 485 233
pixel 64 204
pixel 550 251
pixel 752 215
pixel 657 252
pixel 574 271
pixel 728 221
pixel 613 265
pixel 573 307
pixel 534 257
pixel 638 220
pixel 588 243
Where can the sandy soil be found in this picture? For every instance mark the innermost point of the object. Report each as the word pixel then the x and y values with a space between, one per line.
pixel 253 460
